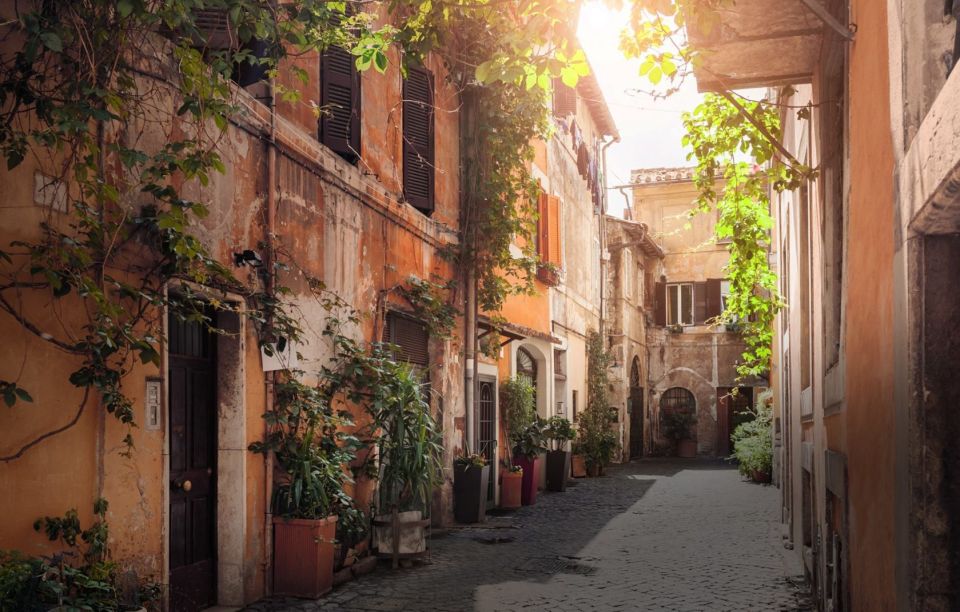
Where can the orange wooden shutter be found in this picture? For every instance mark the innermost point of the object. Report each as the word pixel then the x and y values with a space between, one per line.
pixel 554 246
pixel 542 227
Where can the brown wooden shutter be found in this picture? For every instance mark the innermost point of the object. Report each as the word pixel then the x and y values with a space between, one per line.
pixel 418 161
pixel 564 99
pixel 340 101
pixel 411 338
pixel 660 304
pixel 699 303
pixel 554 246
pixel 714 303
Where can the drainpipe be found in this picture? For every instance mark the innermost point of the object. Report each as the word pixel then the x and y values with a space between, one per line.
pixel 470 354
pixel 270 376
pixel 602 227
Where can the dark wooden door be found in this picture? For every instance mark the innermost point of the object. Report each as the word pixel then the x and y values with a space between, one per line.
pixel 636 422
pixel 193 452
pixel 487 438
pixel 732 410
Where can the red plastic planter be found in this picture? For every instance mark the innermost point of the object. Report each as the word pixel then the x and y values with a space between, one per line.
pixel 531 476
pixel 303 551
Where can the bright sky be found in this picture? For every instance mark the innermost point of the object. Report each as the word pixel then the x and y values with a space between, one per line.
pixel 650 130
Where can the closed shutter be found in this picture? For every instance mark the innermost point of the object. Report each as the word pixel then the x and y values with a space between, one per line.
pixel 542 228
pixel 340 103
pixel 714 303
pixel 699 303
pixel 418 139
pixel 660 304
pixel 554 246
pixel 410 337
pixel 564 99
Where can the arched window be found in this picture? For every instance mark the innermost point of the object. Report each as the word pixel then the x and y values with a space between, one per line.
pixel 635 373
pixel 527 365
pixel 678 399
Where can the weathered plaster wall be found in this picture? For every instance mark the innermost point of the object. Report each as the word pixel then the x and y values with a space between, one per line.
pixel 346 225
pixel 869 285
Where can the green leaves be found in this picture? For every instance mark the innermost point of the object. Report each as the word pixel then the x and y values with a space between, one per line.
pixel 12 393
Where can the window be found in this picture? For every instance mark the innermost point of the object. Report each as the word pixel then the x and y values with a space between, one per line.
pixel 418 158
pixel 548 239
pixel 339 126
pixel 674 400
pixel 411 338
pixel 564 99
pixel 680 304
pixel 573 404
pixel 216 36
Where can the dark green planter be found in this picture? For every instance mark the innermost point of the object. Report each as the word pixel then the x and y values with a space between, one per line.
pixel 470 493
pixel 558 467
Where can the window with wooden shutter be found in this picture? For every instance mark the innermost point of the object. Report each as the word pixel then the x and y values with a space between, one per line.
pixel 340 103
pixel 418 158
pixel 215 33
pixel 410 337
pixel 660 304
pixel 714 298
pixel 564 99
pixel 699 303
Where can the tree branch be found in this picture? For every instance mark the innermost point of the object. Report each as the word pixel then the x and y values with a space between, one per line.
pixel 50 434
pixel 69 348
pixel 763 129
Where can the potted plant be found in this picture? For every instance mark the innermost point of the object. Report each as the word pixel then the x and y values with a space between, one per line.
pixel 527 446
pixel 595 437
pixel 523 431
pixel 559 432
pixel 511 480
pixel 471 478
pixel 578 461
pixel 312 453
pixel 753 445
pixel 410 451
pixel 676 427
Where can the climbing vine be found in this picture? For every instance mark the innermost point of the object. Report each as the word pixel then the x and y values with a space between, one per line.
pixel 723 135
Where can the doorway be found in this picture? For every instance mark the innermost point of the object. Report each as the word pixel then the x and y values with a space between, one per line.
pixel 636 411
pixel 487 442
pixel 732 410
pixel 192 434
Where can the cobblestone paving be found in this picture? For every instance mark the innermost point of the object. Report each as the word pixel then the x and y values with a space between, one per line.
pixel 650 535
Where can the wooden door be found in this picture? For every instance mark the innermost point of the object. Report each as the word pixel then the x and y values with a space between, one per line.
pixel 487 432
pixel 636 422
pixel 193 452
pixel 732 410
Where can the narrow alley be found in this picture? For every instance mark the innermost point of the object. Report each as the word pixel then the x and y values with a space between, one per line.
pixel 656 534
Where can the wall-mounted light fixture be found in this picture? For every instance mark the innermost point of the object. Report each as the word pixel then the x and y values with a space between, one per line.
pixel 247 258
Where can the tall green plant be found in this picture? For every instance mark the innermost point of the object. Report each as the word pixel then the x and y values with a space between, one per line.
pixel 516 400
pixel 595 439
pixel 409 441
pixel 753 441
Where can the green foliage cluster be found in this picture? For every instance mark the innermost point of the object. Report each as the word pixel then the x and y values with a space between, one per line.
pixel 73 579
pixel 677 425
pixel 753 441
pixel 595 437
pixel 559 430
pixel 409 442
pixel 516 401
pixel 722 134
pixel 431 305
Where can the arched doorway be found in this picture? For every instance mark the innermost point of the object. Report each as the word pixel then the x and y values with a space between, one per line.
pixel 636 410
pixel 678 399
pixel 527 366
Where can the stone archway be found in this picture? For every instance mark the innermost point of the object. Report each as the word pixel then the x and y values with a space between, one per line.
pixel 705 395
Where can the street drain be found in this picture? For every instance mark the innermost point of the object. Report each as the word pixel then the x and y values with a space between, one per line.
pixel 556 565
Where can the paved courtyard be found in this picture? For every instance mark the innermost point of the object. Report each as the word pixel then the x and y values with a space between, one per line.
pixel 650 535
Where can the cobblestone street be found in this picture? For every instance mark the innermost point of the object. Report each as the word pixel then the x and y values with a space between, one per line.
pixel 651 535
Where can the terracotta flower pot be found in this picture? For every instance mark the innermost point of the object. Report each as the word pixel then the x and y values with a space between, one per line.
pixel 759 476
pixel 303 551
pixel 531 477
pixel 578 466
pixel 687 448
pixel 510 484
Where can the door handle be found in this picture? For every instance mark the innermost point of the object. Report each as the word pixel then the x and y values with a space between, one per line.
pixel 186 485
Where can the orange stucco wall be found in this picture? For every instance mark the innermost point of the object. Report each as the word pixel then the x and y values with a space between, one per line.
pixel 869 315
pixel 346 225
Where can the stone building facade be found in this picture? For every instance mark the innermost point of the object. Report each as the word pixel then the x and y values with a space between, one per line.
pixel 690 360
pixel 346 212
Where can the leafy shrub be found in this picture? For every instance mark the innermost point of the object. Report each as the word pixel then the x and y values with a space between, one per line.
pixel 753 441
pixel 558 431
pixel 677 424
pixel 516 397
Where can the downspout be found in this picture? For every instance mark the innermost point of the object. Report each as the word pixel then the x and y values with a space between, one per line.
pixel 270 376
pixel 602 228
pixel 468 127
